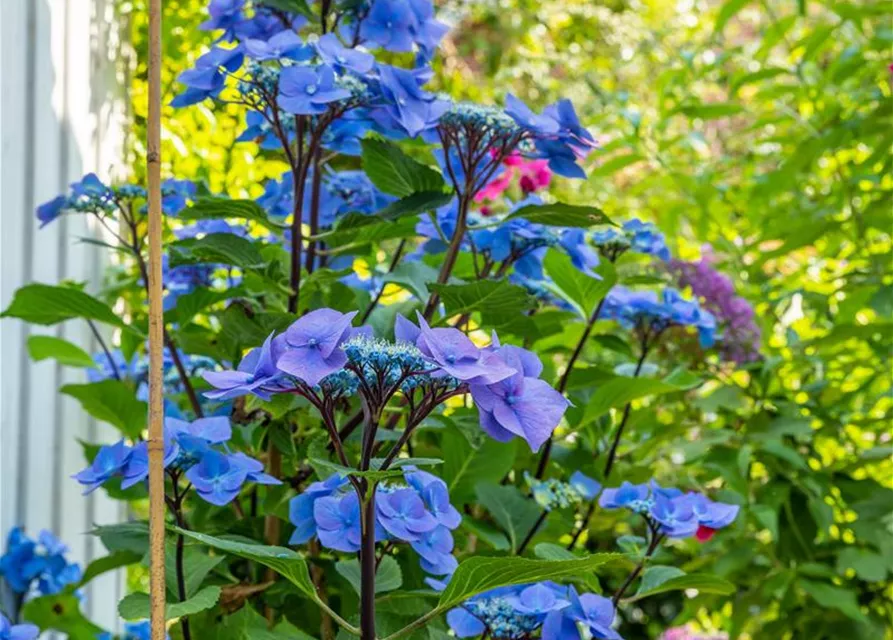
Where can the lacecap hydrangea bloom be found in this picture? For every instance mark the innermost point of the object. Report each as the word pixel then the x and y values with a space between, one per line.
pixel 634 235
pixel 512 613
pixel 651 314
pixel 673 513
pixel 37 566
pixel 552 493
pixel 195 448
pixel 416 511
pixel 322 355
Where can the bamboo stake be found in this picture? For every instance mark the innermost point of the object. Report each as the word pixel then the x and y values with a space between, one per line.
pixel 156 332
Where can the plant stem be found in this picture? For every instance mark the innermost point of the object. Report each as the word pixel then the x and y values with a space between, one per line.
pixel 105 349
pixel 565 377
pixel 612 454
pixel 452 253
pixel 532 532
pixel 584 524
pixel 367 566
pixel 316 185
pixel 652 547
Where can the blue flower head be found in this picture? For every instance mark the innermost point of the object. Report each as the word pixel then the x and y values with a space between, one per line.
pixel 41 564
pixel 9 631
pixel 109 462
pixel 310 348
pixel 257 374
pixel 307 90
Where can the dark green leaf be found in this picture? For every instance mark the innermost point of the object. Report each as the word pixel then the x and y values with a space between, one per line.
pixel 388 576
pixel 511 510
pixel 136 605
pixel 394 172
pixel 48 304
pixel 575 286
pixel 60 612
pixel 414 204
pixel 217 248
pixel 111 401
pixel 221 207
pixel 43 347
pixel 499 302
pixel 113 561
pixel 704 583
pixel 559 214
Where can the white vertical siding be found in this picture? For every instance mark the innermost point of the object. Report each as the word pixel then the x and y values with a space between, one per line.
pixel 60 119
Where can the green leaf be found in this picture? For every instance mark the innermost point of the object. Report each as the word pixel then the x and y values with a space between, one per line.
pixel 113 561
pixel 192 303
pixel 499 302
pixel 662 582
pixel 111 401
pixel 388 576
pixel 577 287
pixel 414 204
pixel 48 304
pixel 125 536
pixel 287 563
pixel 622 389
pixel 60 612
pixel 136 605
pixel 616 163
pixel 196 567
pixel 394 172
pixel 248 624
pixel 478 574
pixel 559 214
pixel 222 207
pixel 551 551
pixel 869 566
pixel 413 277
pixel 358 229
pixel 727 12
pixel 465 465
pixel 710 111
pixel 489 534
pixel 64 352
pixel 833 597
pixel 217 248
pixel 653 577
pixel 511 510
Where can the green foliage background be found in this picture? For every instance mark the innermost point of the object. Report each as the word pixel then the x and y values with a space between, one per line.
pixel 764 129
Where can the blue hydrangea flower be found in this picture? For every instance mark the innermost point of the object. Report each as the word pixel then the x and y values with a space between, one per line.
pixel 256 373
pixel 108 463
pixel 389 24
pixel 522 404
pixel 587 487
pixel 343 58
pixel 43 562
pixel 435 548
pixel 285 44
pixel 402 514
pixel 309 91
pixel 175 195
pixel 224 14
pixel 675 515
pixel 588 616
pixel 644 310
pixel 9 631
pixel 208 77
pixel 310 346
pixel 300 508
pixel 407 108
pixel 216 478
pixel 338 521
pixel 631 496
pixel 455 354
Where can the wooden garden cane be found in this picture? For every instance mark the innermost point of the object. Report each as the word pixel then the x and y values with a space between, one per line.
pixel 156 329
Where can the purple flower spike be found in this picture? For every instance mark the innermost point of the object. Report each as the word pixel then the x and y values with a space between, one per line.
pixel 338 521
pixel 257 370
pixel 403 515
pixel 308 91
pixel 311 345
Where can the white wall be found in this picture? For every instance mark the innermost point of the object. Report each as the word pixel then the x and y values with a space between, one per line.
pixel 60 115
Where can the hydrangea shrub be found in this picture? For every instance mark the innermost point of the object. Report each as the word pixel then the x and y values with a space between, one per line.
pixel 399 380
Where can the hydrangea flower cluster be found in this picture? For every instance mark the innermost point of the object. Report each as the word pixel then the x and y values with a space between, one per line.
pixel 9 631
pixel 341 192
pixel 513 613
pixel 651 315
pixel 740 340
pixel 634 235
pixel 189 447
pixel 416 511
pixel 37 566
pixel 669 511
pixel 552 493
pixel 321 356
